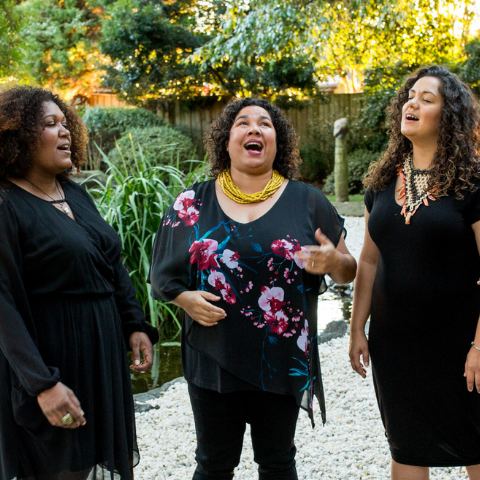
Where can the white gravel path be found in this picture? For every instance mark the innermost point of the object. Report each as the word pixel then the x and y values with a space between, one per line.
pixel 351 445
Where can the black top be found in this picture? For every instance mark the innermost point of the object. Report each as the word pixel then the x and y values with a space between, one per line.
pixel 65 298
pixel 425 309
pixel 269 338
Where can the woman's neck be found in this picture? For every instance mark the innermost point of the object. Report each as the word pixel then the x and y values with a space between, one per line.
pixel 249 183
pixel 33 182
pixel 423 156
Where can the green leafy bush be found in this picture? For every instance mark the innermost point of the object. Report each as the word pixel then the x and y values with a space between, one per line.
pixel 105 125
pixel 469 70
pixel 160 146
pixel 358 163
pixel 318 154
pixel 132 200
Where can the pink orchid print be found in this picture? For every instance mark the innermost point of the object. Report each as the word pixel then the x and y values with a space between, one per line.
pixel 204 254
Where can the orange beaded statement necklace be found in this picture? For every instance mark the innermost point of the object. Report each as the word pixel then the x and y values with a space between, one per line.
pixel 414 188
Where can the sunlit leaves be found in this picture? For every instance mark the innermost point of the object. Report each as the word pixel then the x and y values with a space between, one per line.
pixel 61 37
pixel 341 35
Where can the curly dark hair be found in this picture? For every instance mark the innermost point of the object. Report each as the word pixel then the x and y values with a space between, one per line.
pixel 287 158
pixel 21 110
pixel 456 161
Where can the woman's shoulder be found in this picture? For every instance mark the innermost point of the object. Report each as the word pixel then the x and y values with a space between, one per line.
pixel 8 190
pixel 206 187
pixel 203 186
pixel 299 187
pixel 9 210
pixel 5 189
pixel 74 186
pixel 77 192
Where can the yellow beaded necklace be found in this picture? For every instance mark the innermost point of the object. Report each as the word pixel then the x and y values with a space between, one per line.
pixel 233 192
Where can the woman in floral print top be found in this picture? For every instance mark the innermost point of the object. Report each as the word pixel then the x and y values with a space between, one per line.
pixel 248 277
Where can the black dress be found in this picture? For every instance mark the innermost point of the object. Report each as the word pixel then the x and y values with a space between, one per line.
pixel 268 340
pixel 66 306
pixel 424 313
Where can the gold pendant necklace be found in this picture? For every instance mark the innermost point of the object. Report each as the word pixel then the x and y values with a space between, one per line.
pixel 233 192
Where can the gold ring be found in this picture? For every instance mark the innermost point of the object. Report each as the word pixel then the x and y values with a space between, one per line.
pixel 313 264
pixel 66 420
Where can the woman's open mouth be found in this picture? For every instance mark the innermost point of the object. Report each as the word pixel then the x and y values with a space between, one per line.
pixel 254 147
pixel 411 118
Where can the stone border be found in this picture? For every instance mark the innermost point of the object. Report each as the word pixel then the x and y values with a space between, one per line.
pixel 350 209
pixel 141 399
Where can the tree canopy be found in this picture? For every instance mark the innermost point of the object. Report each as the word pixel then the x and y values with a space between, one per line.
pixel 61 43
pixel 152 52
pixel 10 40
pixel 341 35
pixel 147 49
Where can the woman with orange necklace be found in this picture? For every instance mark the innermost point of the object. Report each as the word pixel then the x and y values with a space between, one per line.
pixel 417 277
pixel 233 253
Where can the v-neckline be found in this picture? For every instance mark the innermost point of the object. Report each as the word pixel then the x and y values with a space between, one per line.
pixel 74 219
pixel 257 219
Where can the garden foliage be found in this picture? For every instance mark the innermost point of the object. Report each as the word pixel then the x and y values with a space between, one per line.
pixel 106 125
pixel 132 200
pixel 160 146
pixel 318 155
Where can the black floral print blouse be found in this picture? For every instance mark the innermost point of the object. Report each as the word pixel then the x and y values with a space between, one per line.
pixel 268 339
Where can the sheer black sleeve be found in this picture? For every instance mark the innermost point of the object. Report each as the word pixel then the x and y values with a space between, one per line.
pixel 17 330
pixel 327 218
pixel 170 271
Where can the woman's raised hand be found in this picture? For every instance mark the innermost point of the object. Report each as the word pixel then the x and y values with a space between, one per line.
pixel 320 259
pixel 59 401
pixel 197 304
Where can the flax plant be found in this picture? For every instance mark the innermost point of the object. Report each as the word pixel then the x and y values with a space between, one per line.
pixel 133 200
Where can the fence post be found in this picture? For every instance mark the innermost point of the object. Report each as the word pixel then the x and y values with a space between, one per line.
pixel 340 130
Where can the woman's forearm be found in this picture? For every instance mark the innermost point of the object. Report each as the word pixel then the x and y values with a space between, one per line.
pixel 346 271
pixel 362 294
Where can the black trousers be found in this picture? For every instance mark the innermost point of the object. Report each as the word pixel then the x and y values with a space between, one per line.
pixel 220 422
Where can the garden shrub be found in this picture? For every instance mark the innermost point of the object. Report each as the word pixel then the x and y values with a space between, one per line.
pixel 358 162
pixel 107 124
pixel 316 163
pixel 160 146
pixel 318 154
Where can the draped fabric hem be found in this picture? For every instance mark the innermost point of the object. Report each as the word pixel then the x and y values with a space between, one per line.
pixel 97 472
pixel 304 400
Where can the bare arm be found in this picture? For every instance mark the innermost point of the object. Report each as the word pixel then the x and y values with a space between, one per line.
pixel 472 364
pixel 362 298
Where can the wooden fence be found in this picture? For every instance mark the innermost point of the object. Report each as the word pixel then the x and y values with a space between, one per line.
pixel 105 100
pixel 195 122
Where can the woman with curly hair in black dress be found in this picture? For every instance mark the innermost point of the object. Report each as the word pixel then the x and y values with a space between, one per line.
pixel 67 307
pixel 417 277
pixel 231 252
